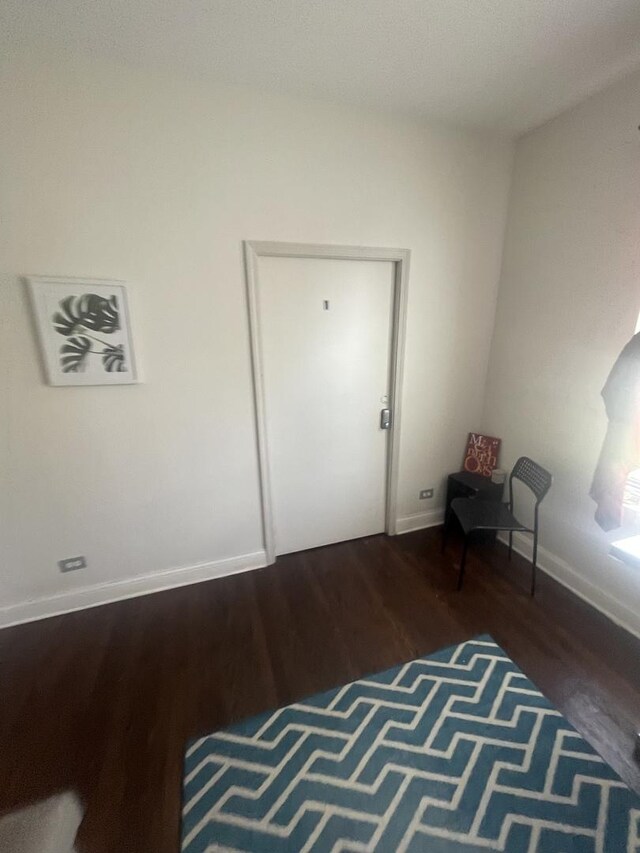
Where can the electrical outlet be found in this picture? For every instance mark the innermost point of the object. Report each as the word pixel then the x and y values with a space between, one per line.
pixel 72 563
pixel 425 494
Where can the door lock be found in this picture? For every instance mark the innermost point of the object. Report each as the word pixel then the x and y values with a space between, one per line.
pixel 385 419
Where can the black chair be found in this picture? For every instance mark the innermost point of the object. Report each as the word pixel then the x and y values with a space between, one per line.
pixel 475 514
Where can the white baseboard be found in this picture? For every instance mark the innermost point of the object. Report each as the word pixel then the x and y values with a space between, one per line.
pixel 551 564
pixel 574 581
pixel 420 520
pixel 104 593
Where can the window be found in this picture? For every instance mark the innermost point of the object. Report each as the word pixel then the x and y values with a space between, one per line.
pixel 628 549
pixel 631 500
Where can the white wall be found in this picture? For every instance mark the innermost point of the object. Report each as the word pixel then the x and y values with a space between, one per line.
pixel 569 300
pixel 117 173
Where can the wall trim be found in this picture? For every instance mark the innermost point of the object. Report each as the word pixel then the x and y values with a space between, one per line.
pixel 105 593
pixel 420 520
pixel 570 577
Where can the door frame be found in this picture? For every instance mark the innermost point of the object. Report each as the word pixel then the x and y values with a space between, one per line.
pixel 253 251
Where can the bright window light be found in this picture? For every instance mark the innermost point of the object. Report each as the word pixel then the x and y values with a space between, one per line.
pixel 631 499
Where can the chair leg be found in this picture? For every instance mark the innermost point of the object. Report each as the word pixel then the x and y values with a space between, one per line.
pixel 463 561
pixel 510 542
pixel 445 531
pixel 534 562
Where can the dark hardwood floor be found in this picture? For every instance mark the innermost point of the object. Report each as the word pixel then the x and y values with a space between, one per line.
pixel 102 701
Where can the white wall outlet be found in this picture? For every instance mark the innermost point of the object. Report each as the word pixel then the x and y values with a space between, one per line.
pixel 425 494
pixel 72 563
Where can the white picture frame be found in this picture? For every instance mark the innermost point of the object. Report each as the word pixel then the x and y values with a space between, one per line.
pixel 84 330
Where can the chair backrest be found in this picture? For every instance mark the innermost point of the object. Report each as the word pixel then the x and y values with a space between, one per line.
pixel 537 478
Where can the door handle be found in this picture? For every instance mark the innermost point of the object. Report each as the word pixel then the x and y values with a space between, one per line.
pixel 385 419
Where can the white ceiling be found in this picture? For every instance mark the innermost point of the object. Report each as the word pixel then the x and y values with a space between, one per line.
pixel 503 64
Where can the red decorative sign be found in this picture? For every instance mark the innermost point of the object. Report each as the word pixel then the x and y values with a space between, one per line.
pixel 481 455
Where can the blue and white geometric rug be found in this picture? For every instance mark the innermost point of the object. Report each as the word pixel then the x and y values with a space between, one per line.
pixel 457 751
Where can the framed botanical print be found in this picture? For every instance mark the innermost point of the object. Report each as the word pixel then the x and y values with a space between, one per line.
pixel 84 330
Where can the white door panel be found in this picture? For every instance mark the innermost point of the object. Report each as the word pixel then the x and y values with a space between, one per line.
pixel 326 376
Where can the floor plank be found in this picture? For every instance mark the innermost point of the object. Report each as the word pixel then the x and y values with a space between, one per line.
pixel 103 701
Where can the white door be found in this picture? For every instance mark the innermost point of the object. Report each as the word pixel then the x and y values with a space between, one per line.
pixel 326 329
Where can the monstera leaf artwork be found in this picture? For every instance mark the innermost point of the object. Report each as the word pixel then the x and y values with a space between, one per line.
pixel 89 311
pixel 80 315
pixel 84 331
pixel 74 353
pixel 113 359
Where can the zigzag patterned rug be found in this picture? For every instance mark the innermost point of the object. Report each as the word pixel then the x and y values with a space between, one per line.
pixel 457 751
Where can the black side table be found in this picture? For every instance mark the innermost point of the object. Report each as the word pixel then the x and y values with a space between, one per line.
pixel 466 485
